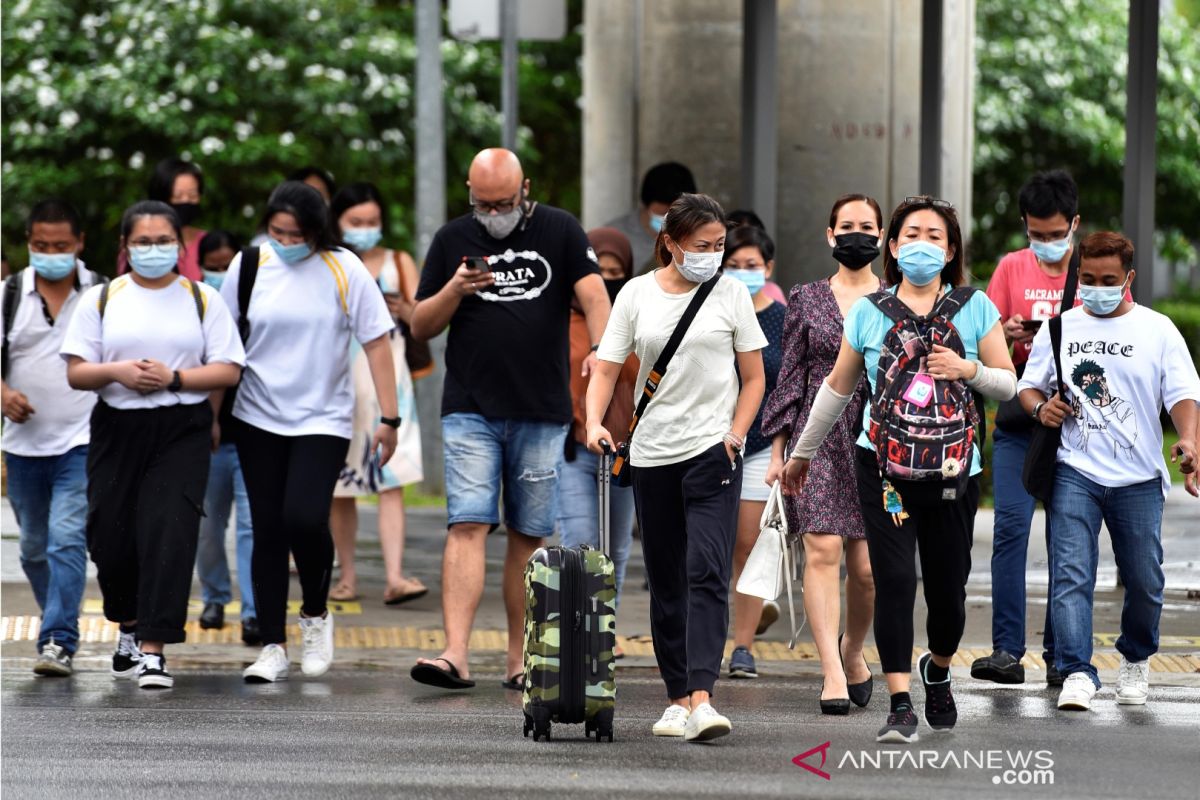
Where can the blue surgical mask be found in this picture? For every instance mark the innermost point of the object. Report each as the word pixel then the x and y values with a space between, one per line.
pixel 1102 300
pixel 753 279
pixel 921 262
pixel 52 266
pixel 153 261
pixel 1051 252
pixel 290 253
pixel 214 278
pixel 656 222
pixel 362 239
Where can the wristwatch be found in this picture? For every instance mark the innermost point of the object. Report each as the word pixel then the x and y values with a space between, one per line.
pixel 1037 410
pixel 595 347
pixel 391 422
pixel 176 382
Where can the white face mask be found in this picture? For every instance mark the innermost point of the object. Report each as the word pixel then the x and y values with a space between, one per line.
pixel 699 267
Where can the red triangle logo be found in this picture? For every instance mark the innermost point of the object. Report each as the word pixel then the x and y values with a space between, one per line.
pixel 823 749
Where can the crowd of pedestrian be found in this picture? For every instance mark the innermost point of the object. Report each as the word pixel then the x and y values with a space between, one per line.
pixel 142 413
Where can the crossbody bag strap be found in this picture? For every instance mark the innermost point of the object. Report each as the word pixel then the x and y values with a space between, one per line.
pixel 664 358
pixel 246 277
pixel 1068 302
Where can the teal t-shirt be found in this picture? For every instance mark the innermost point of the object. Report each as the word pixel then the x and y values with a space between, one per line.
pixel 866 326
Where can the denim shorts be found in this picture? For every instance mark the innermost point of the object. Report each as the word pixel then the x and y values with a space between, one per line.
pixel 486 456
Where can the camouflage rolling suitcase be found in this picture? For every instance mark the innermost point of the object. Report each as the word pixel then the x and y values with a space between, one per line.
pixel 570 632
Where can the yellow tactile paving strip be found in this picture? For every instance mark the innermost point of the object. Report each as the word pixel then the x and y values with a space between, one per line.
pixel 95 629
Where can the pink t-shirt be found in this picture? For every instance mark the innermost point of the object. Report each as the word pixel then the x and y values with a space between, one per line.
pixel 1020 286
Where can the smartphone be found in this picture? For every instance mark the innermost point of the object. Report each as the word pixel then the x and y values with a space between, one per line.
pixel 478 263
pixel 1031 324
pixel 393 295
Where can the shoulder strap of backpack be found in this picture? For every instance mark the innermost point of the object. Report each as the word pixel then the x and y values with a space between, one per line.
pixel 953 301
pixel 246 277
pixel 12 299
pixel 892 306
pixel 103 304
pixel 199 298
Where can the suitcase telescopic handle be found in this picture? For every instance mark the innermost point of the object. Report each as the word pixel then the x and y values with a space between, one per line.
pixel 604 483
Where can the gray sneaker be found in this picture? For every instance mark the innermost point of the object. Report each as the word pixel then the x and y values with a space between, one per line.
pixel 53 661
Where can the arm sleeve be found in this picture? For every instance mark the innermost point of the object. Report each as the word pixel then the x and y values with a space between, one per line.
pixel 433 272
pixel 369 317
pixel 221 341
pixel 1179 379
pixel 580 259
pixel 747 333
pixel 229 287
pixel 617 342
pixel 780 409
pixel 1039 369
pixel 84 337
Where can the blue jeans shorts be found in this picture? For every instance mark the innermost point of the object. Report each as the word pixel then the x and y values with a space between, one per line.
pixel 489 459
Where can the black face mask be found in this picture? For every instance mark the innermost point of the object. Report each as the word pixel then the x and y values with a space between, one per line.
pixel 855 250
pixel 187 212
pixel 613 286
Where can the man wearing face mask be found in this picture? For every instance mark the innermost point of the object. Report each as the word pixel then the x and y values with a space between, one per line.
pixel 1122 363
pixel 503 278
pixel 46 429
pixel 661 186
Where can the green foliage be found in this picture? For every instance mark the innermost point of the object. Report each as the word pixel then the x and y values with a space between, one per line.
pixel 96 93
pixel 1186 316
pixel 1051 93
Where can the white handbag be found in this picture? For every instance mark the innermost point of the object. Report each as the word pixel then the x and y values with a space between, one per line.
pixel 771 565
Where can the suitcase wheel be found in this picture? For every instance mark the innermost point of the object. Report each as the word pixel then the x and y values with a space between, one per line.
pixel 604 732
pixel 528 726
pixel 539 732
pixel 589 728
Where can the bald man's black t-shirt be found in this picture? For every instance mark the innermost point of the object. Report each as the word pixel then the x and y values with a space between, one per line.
pixel 507 352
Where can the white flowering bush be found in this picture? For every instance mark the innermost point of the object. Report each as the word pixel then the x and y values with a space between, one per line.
pixel 95 93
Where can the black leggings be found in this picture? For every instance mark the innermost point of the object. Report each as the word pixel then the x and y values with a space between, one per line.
pixel 290 481
pixel 147 472
pixel 944 530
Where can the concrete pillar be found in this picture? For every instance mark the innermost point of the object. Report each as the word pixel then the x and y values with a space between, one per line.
pixel 958 107
pixel 610 108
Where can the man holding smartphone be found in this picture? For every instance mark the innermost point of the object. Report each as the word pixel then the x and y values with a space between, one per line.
pixel 503 277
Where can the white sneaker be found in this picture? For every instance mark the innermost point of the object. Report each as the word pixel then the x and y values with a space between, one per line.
pixel 272 665
pixel 705 723
pixel 1077 692
pixel 317 633
pixel 673 721
pixel 1133 683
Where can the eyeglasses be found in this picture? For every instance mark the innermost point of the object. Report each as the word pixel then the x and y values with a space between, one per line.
pixel 502 207
pixel 926 200
pixel 162 242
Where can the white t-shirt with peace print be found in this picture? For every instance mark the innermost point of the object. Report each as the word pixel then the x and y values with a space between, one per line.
pixel 297 377
pixel 1120 372
pixel 160 324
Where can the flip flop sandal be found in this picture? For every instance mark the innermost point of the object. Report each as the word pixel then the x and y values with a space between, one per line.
pixel 403 597
pixel 343 593
pixel 516 683
pixel 431 675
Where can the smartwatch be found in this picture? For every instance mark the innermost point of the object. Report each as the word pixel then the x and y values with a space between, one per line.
pixel 391 422
pixel 176 382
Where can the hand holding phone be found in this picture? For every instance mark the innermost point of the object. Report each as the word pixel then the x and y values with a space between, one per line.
pixel 1031 325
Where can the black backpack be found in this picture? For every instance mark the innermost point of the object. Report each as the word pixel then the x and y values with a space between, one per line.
pixel 923 429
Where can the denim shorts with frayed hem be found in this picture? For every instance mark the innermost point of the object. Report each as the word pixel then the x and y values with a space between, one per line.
pixel 489 459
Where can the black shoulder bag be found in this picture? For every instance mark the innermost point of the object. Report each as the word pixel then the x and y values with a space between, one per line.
pixel 1041 459
pixel 620 467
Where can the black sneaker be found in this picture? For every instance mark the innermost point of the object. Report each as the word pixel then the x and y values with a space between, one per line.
pixel 1053 676
pixel 213 616
pixel 1000 667
pixel 128 657
pixel 251 633
pixel 940 711
pixel 152 672
pixel 901 727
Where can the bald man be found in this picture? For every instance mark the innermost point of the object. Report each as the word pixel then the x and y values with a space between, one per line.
pixel 503 278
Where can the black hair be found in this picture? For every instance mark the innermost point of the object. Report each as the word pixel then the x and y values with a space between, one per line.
pixel 749 236
pixel 162 182
pixel 54 209
pixel 215 240
pixel 955 271
pixel 1047 194
pixel 149 208
pixel 744 216
pixel 686 215
pixel 1085 367
pixel 664 183
pixel 854 198
pixel 308 207
pixel 352 195
pixel 309 171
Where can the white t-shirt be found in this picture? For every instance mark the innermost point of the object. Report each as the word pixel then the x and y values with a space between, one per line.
pixel 297 378
pixel 160 324
pixel 61 421
pixel 1119 372
pixel 693 406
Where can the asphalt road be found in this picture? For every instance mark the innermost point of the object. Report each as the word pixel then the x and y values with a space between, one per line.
pixel 365 735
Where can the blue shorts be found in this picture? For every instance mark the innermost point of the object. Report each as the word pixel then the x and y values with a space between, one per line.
pixel 485 454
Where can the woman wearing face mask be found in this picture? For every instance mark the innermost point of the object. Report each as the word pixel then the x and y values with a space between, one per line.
pixel 179 184
pixel 578 514
pixel 361 217
pixel 827 511
pixel 155 346
pixel 685 455
pixel 226 487
pixel 924 263
pixel 750 259
pixel 295 410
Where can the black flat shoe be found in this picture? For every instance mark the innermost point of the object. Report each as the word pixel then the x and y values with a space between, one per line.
pixel 251 633
pixel 835 707
pixel 213 616
pixel 860 693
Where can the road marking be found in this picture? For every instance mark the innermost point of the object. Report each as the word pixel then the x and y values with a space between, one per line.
pixel 97 630
pixel 233 609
